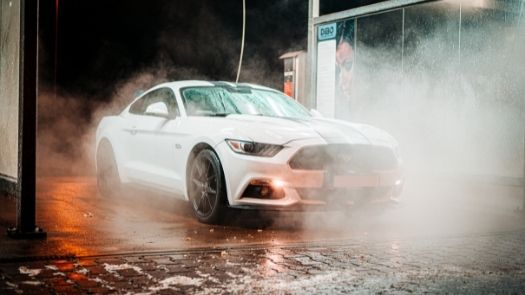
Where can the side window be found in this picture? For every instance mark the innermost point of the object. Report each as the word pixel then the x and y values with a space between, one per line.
pixel 140 106
pixel 137 107
pixel 162 95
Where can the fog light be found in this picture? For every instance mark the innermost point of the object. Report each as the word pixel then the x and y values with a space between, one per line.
pixel 277 183
pixel 260 182
pixel 264 189
pixel 398 182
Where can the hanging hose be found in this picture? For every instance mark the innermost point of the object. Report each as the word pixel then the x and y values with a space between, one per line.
pixel 242 40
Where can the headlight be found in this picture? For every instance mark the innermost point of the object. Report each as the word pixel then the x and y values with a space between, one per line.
pixel 254 148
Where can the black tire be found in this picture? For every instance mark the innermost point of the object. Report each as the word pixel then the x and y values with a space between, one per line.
pixel 206 189
pixel 108 179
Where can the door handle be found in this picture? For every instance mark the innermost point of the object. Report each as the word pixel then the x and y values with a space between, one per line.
pixel 133 130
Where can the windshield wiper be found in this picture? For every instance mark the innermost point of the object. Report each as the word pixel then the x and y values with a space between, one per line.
pixel 227 114
pixel 219 114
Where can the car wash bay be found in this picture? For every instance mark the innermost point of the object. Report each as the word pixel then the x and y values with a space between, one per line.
pixel 444 236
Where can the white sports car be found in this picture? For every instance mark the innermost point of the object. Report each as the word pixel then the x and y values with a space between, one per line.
pixel 219 145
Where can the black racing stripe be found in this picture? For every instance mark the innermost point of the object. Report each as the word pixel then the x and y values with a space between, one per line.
pixel 310 122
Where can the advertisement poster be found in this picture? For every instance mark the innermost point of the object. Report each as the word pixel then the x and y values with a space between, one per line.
pixel 344 68
pixel 335 61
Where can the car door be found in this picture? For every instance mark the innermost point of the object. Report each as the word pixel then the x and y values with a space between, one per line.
pixel 152 142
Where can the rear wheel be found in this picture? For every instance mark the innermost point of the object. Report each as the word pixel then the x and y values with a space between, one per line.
pixel 108 180
pixel 206 188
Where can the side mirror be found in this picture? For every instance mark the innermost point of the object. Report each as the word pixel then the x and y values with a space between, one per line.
pixel 316 113
pixel 158 109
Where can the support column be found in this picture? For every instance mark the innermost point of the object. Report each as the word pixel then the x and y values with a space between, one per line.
pixel 313 12
pixel 26 187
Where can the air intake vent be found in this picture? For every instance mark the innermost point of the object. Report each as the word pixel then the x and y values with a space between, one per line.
pixel 345 158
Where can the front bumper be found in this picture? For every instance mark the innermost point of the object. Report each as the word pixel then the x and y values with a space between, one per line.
pixel 303 189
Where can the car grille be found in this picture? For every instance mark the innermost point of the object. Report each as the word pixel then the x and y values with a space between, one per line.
pixel 345 158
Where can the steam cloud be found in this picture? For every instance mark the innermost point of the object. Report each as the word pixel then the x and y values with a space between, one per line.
pixel 67 125
pixel 457 113
pixel 451 117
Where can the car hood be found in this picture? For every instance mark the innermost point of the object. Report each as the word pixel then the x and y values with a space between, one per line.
pixel 279 130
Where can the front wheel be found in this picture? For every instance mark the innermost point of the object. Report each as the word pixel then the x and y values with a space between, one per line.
pixel 206 188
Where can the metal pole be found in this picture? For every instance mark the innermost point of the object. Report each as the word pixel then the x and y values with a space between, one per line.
pixel 313 12
pixel 521 38
pixel 25 222
pixel 459 35
pixel 57 5
pixel 403 42
pixel 521 44
pixel 403 80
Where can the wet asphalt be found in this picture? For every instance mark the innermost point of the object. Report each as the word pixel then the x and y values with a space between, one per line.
pixel 442 238
pixel 80 222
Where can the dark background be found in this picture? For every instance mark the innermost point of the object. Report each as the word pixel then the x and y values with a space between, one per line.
pixel 108 50
pixel 101 43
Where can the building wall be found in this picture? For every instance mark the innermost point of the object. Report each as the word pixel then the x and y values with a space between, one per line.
pixel 9 87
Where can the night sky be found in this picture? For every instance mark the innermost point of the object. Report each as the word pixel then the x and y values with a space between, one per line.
pixel 101 43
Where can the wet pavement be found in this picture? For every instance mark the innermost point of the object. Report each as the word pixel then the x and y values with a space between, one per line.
pixel 472 265
pixel 462 239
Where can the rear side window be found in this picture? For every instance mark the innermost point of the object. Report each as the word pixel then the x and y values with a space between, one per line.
pixel 164 95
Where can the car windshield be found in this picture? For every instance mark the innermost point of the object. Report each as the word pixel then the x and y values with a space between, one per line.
pixel 223 101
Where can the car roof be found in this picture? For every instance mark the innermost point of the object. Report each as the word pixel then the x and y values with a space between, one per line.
pixel 190 83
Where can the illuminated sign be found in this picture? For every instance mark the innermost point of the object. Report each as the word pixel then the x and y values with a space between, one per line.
pixel 326 32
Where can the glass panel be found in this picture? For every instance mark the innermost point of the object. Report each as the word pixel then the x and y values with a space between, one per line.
pixel 492 85
pixel 378 70
pixel 432 125
pixel 447 79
